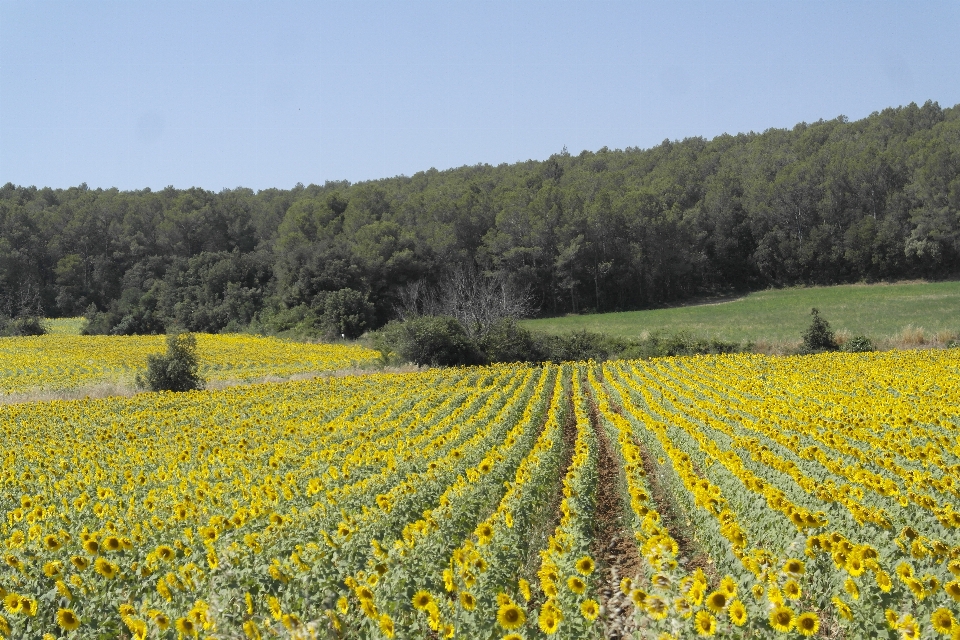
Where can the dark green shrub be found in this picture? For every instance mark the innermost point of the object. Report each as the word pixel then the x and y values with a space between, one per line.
pixel 346 314
pixel 858 344
pixel 506 341
pixel 818 337
pixel 575 346
pixel 22 326
pixel 427 340
pixel 176 370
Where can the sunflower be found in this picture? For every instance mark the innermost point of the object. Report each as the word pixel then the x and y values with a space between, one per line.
pixel 682 607
pixel 909 629
pixel 808 624
pixel 716 601
pixel 737 613
pixel 638 596
pixel 13 561
pixel 793 567
pixel 51 542
pixel 421 600
pixel 585 565
pixel 165 553
pixel 510 616
pixel 791 589
pixel 705 624
pixel 660 580
pixel 729 586
pixel 106 568
pixel 524 588
pixel 112 543
pixel 626 585
pixel 80 562
pixel 467 601
pixel 12 603
pixel 590 609
pixel 942 621
pixel 657 608
pixel 513 636
pixel 781 619
pixel 550 618
pixel 343 605
pixel 842 608
pixel 916 587
pixel 160 619
pixel 904 571
pixel 851 587
pixel 63 590
pixel 892 618
pixel 67 620
pixel 28 606
pixel 484 533
pixel 883 581
pixel 92 547
pixel 576 585
pixel 53 569
pixel 186 626
pixel 953 589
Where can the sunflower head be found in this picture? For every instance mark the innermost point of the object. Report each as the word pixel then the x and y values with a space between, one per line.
pixel 468 601
pixel 590 609
pixel 576 585
pixel 737 613
pixel 781 619
pixel 717 601
pixel 510 616
pixel 942 621
pixel 808 624
pixel 585 565
pixel 67 620
pixel 422 599
pixel 705 623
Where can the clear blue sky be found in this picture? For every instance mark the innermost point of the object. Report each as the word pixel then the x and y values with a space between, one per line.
pixel 268 94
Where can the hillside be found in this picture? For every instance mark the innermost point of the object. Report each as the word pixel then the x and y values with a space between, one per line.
pixel 822 203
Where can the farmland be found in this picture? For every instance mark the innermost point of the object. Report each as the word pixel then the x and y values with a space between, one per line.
pixel 60 361
pixel 729 496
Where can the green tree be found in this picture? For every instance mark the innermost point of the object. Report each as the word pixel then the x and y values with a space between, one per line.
pixel 176 370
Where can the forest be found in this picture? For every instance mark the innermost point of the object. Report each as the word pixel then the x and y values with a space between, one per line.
pixel 827 202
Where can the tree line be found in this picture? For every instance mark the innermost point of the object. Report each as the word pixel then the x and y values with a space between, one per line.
pixel 826 202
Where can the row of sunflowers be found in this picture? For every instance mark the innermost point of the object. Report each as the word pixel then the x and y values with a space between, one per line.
pixel 788 497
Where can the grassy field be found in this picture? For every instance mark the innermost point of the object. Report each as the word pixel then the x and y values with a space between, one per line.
pixel 878 311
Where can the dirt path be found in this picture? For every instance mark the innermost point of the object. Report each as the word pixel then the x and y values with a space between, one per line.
pixel 614 547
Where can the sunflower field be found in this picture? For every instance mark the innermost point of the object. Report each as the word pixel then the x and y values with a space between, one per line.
pixel 60 361
pixel 747 496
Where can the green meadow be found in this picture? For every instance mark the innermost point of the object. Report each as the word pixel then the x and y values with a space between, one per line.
pixel 781 315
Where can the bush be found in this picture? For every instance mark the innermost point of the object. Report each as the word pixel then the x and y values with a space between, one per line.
pixel 22 326
pixel 818 337
pixel 427 340
pixel 177 369
pixel 506 341
pixel 576 346
pixel 858 344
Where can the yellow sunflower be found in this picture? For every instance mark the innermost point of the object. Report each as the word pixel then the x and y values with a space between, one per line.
pixel 808 624
pixel 942 621
pixel 717 601
pixel 510 616
pixel 705 623
pixel 585 565
pixel 781 619
pixel 590 609
pixel 67 620
pixel 737 613
pixel 576 585
pixel 421 600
